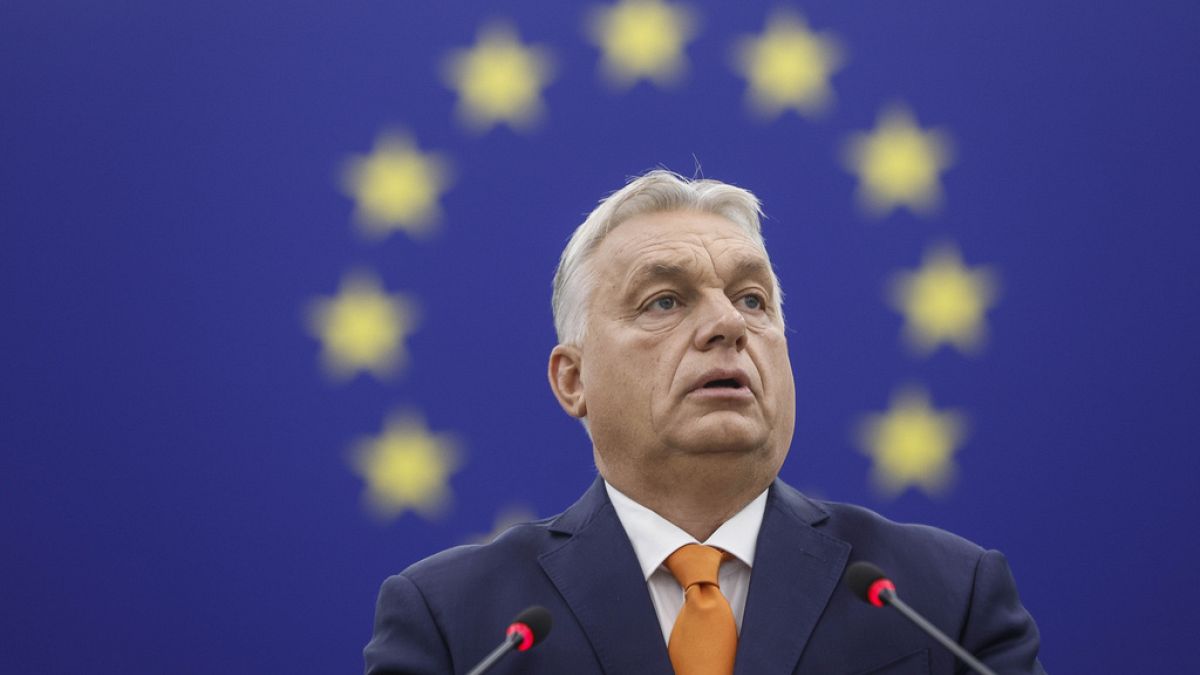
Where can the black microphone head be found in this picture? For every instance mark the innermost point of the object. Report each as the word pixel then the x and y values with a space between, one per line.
pixel 538 622
pixel 861 577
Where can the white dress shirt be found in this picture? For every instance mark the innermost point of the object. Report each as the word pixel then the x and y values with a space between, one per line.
pixel 654 538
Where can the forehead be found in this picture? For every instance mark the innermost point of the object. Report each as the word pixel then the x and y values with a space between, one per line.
pixel 677 234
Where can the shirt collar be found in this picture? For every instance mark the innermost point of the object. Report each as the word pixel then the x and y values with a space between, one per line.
pixel 654 537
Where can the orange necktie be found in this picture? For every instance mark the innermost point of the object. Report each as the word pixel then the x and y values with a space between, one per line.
pixel 704 638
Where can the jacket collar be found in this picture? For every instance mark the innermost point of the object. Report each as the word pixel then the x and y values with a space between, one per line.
pixel 598 575
pixel 796 569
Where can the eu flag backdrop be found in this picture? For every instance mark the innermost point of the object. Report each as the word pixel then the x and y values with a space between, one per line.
pixel 276 280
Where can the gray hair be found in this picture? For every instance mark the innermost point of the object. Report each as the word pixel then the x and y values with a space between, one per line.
pixel 654 192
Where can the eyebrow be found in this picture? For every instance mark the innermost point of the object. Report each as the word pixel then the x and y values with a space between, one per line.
pixel 754 267
pixel 655 271
pixel 671 271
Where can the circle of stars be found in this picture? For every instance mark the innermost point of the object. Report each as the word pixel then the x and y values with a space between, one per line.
pixel 500 80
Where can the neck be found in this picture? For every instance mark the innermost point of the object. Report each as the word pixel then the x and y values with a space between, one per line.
pixel 697 503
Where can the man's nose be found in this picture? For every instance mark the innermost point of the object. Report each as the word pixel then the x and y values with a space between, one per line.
pixel 721 324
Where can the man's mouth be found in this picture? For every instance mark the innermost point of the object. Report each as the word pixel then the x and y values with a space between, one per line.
pixel 721 383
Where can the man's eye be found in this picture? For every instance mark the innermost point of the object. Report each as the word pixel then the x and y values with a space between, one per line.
pixel 754 302
pixel 664 303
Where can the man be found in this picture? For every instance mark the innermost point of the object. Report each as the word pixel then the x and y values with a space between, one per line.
pixel 672 352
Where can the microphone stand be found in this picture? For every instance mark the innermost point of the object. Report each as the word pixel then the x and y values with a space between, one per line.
pixel 889 596
pixel 511 640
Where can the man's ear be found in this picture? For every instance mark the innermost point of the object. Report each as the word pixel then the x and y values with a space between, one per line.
pixel 566 379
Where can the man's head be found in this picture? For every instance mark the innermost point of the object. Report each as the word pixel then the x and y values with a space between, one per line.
pixel 672 346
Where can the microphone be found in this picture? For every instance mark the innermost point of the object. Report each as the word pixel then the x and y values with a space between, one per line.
pixel 870 584
pixel 530 627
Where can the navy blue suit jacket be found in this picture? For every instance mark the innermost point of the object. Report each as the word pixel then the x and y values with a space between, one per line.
pixel 445 613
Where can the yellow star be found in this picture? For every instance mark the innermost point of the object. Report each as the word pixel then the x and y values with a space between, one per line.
pixel 642 39
pixel 898 164
pixel 499 79
pixel 943 301
pixel 788 66
pixel 362 328
pixel 912 444
pixel 396 187
pixel 406 467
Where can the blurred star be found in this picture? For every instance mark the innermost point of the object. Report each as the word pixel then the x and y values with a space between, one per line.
pixel 788 66
pixel 406 467
pixel 912 444
pixel 499 80
pixel 898 164
pixel 396 187
pixel 362 328
pixel 642 39
pixel 943 302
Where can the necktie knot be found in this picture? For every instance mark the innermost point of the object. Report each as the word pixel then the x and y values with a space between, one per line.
pixel 695 564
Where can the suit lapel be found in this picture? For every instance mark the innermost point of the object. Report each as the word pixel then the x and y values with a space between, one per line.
pixel 598 575
pixel 796 569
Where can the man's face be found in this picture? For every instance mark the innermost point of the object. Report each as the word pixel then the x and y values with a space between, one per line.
pixel 684 363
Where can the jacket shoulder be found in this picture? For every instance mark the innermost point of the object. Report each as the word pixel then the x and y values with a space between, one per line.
pixel 859 522
pixel 519 546
pixel 911 554
pixel 449 608
pixel 860 525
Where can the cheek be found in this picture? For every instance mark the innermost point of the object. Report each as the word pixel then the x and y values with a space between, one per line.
pixel 776 369
pixel 651 365
pixel 619 374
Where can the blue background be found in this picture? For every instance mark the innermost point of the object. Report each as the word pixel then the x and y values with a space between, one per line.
pixel 174 489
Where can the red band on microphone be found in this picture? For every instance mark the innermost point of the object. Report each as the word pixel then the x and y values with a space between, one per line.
pixel 526 635
pixel 876 588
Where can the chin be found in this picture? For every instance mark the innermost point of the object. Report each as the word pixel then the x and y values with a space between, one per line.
pixel 724 437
